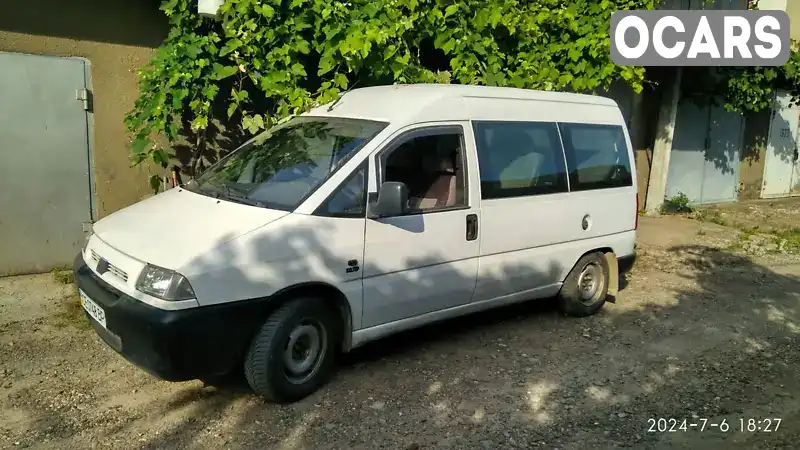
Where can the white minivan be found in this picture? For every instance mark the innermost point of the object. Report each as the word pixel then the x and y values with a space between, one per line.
pixel 391 208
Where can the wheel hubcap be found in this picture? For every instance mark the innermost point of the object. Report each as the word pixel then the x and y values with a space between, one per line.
pixel 590 283
pixel 304 351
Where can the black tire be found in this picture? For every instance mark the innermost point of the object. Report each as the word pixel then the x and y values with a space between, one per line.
pixel 265 365
pixel 572 298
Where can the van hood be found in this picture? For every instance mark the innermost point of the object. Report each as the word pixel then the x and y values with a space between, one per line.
pixel 172 228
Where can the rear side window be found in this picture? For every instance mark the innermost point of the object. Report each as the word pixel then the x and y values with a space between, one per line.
pixel 518 159
pixel 597 156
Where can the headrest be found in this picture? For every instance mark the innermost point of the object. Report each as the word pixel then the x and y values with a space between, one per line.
pixel 433 162
pixel 515 139
pixel 443 155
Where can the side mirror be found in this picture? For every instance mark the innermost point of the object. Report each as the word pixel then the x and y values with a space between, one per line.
pixel 392 199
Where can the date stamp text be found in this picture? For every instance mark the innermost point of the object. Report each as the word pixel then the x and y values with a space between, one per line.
pixel 739 424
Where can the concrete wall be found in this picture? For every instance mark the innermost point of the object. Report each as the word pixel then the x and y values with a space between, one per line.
pixel 117 37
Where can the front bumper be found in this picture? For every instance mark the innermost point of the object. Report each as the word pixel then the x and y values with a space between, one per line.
pixel 172 345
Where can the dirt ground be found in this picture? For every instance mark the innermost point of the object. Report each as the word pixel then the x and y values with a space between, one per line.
pixel 768 214
pixel 706 330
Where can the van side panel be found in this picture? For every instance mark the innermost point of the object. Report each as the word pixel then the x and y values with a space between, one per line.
pixel 530 243
pixel 293 250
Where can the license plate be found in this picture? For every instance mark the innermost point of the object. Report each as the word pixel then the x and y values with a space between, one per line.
pixel 93 309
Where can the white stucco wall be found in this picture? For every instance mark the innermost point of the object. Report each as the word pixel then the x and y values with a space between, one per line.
pixel 792 7
pixel 773 4
pixel 208 7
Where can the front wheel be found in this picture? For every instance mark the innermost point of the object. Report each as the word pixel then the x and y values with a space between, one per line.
pixel 292 354
pixel 585 288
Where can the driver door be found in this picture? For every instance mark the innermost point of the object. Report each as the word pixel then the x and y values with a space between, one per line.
pixel 425 260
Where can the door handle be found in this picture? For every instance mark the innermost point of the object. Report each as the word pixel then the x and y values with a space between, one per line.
pixel 796 155
pixel 472 227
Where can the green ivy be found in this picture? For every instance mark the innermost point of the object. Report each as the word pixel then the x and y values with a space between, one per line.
pixel 264 60
pixel 753 89
pixel 748 89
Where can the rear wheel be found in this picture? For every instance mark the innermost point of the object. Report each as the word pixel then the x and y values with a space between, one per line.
pixel 292 354
pixel 585 288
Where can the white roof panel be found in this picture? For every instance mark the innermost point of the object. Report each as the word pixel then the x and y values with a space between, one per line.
pixel 401 103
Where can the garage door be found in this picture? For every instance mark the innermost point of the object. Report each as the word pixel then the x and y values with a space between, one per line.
pixel 704 164
pixel 782 166
pixel 45 188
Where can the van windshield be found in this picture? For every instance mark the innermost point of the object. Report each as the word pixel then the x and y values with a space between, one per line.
pixel 282 166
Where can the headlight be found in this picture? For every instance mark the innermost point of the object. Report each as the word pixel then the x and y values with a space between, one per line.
pixel 164 283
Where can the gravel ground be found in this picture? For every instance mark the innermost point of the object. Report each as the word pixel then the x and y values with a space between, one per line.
pixel 699 333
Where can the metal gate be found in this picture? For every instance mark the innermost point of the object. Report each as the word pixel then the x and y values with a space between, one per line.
pixel 45 186
pixel 781 167
pixel 704 164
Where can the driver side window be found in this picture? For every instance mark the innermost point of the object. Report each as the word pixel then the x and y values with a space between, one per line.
pixel 431 165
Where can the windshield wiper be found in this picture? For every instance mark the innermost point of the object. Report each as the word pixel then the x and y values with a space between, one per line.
pixel 245 200
pixel 210 192
pixel 225 192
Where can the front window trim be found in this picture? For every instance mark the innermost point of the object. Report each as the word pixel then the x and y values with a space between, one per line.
pixel 380 126
pixel 396 142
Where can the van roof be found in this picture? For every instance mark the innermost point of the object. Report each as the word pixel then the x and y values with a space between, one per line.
pixel 402 101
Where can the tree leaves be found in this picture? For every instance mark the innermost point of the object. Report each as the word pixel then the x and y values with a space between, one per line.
pixel 140 144
pixel 199 123
pixel 230 47
pixel 298 69
pixel 155 183
pixel 253 124
pixel 221 72
pixel 263 60
pixel 264 10
pixel 341 80
pixel 303 46
pixel 160 157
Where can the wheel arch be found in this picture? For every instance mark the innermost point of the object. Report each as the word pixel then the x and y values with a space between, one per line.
pixel 322 290
pixel 613 269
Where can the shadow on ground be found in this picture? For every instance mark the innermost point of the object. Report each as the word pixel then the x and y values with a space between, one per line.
pixel 715 338
pixel 720 345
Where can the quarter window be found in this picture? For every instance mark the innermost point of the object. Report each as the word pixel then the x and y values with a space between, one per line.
pixel 349 200
pixel 518 159
pixel 597 156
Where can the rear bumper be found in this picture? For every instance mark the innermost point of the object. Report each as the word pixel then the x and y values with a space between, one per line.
pixel 172 345
pixel 625 263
